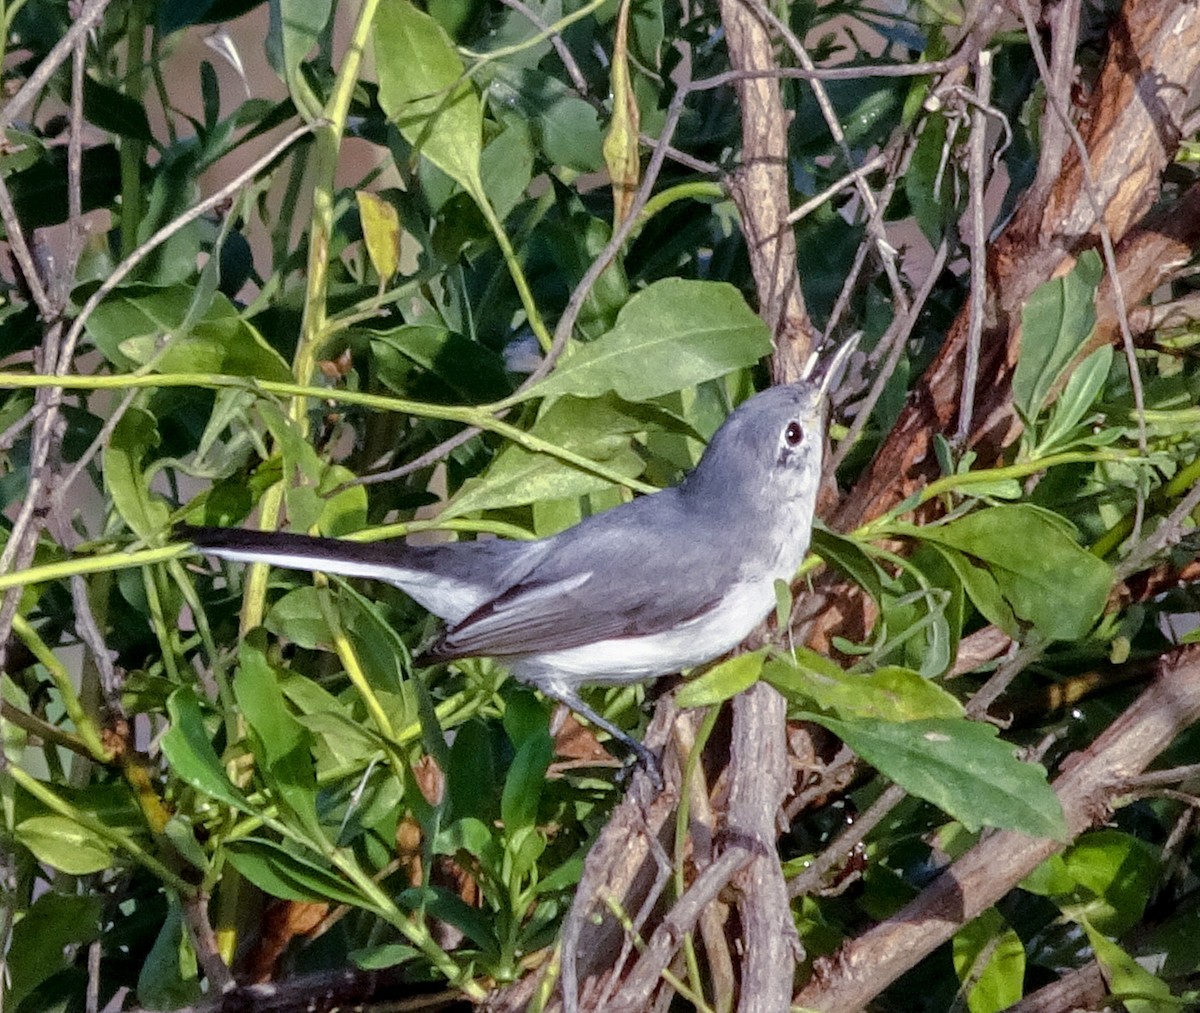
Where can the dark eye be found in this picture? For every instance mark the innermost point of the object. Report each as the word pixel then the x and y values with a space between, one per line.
pixel 794 433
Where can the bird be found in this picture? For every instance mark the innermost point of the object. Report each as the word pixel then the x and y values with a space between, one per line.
pixel 659 584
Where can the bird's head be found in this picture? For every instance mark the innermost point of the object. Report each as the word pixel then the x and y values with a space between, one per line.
pixel 769 450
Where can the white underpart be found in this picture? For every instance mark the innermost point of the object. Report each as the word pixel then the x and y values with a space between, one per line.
pixel 634 659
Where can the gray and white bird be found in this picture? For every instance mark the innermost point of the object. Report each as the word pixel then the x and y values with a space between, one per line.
pixel 662 583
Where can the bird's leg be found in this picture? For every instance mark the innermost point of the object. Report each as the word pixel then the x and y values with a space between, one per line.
pixel 569 698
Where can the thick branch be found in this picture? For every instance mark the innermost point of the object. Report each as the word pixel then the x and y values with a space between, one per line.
pixel 760 189
pixel 1088 790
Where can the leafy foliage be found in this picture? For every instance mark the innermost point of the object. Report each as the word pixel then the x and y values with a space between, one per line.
pixel 398 284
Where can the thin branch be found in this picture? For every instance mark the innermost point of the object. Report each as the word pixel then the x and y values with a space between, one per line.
pixel 80 29
pixel 895 340
pixel 23 256
pixel 126 266
pixel 976 174
pixel 1168 533
pixel 850 179
pixel 556 40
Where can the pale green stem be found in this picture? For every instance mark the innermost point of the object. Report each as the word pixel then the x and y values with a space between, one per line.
pixel 481 416
pixel 84 725
pixel 111 835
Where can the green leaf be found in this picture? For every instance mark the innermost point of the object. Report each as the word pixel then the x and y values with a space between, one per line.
pixel 298 617
pixel 982 588
pixel 1085 384
pixel 40 940
pixel 170 976
pixel 295 27
pixel 1115 875
pixel 1129 983
pixel 64 844
pixel 845 554
pixel 674 334
pixel 283 744
pixel 190 753
pixel 722 682
pixel 1043 573
pixel 601 429
pixel 134 437
pixel 961 767
pixel 384 655
pixel 989 960
pixel 467 370
pixel 525 781
pixel 114 111
pixel 564 127
pixel 423 89
pixel 1056 320
pixel 377 958
pixel 280 872
pixel 220 342
pixel 889 694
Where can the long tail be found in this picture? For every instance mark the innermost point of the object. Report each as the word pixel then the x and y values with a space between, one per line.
pixel 451 580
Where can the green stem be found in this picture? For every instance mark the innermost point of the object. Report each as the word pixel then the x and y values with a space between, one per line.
pixel 536 323
pixel 697 190
pixel 481 416
pixel 349 660
pixel 84 725
pixel 1184 479
pixel 111 835
pixel 133 152
pixel 80 565
pixel 955 483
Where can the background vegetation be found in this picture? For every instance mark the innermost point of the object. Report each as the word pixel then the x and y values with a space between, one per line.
pixel 382 269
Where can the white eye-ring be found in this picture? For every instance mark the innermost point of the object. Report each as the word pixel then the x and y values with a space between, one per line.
pixel 794 433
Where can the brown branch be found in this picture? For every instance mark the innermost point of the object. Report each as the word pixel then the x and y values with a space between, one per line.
pixel 1088 789
pixel 1132 127
pixel 760 190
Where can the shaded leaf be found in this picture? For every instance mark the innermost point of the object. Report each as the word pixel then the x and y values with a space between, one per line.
pixel 961 767
pixel 190 753
pixel 1055 321
pixel 280 872
pixel 674 334
pixel 423 90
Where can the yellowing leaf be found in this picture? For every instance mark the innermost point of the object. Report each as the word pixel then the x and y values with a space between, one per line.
pixel 381 232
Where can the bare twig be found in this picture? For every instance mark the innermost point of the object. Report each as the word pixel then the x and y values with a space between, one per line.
pixel 126 266
pixel 556 40
pixel 81 27
pixel 976 172
pixel 23 256
pixel 851 178
pixel 895 340
pixel 1168 533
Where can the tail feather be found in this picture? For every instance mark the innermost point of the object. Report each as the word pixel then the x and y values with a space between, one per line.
pixel 451 580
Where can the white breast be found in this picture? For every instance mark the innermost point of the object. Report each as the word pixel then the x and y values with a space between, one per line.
pixel 634 659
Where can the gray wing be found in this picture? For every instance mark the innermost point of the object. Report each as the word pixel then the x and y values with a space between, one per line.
pixel 636 570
